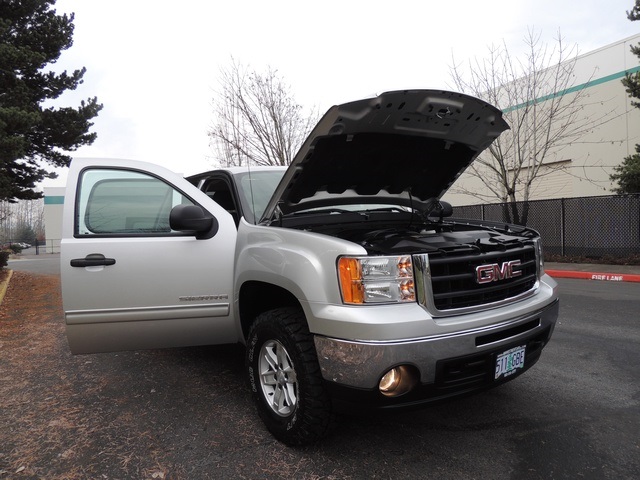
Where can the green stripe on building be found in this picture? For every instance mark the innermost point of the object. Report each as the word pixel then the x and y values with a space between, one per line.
pixel 599 81
pixel 54 200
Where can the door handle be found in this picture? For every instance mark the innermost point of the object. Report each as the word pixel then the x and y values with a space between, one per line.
pixel 92 260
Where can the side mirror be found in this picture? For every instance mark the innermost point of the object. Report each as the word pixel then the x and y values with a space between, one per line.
pixel 446 209
pixel 192 218
pixel 441 209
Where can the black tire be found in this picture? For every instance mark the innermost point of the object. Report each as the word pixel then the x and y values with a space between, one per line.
pixel 288 392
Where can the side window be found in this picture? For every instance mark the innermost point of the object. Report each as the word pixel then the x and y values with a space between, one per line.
pixel 123 202
pixel 220 192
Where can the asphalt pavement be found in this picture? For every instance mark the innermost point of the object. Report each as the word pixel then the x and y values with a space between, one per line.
pixel 43 264
pixel 187 413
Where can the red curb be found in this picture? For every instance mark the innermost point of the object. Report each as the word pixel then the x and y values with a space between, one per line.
pixel 609 277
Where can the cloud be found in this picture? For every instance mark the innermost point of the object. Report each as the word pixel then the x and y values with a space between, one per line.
pixel 155 64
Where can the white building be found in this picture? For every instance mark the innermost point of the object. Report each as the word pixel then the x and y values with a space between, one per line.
pixel 582 168
pixel 53 204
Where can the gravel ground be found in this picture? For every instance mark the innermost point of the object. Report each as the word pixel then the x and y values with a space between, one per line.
pixel 127 415
pixel 160 414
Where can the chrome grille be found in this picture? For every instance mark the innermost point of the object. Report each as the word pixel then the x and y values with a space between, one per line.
pixel 448 283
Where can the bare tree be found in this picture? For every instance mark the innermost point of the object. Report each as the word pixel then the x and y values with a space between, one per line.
pixel 19 217
pixel 544 108
pixel 5 219
pixel 257 121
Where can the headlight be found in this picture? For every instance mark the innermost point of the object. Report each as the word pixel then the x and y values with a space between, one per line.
pixel 539 256
pixel 376 279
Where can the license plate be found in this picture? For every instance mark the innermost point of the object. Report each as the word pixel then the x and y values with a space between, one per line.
pixel 509 362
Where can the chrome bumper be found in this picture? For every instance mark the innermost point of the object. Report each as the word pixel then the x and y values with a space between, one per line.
pixel 362 364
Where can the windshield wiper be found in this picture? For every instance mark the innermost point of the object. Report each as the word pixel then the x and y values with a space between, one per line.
pixel 324 211
pixel 389 209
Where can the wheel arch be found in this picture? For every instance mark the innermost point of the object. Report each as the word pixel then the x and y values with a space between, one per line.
pixel 257 297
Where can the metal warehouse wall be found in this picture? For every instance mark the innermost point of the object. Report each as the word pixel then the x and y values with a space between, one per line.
pixel 583 168
pixel 53 205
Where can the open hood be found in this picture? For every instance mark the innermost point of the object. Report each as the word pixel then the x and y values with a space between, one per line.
pixel 402 148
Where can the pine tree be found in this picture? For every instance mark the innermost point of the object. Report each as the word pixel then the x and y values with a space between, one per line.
pixel 627 174
pixel 34 136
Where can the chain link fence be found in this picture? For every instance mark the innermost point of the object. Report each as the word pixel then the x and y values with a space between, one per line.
pixel 583 226
pixel 34 246
pixel 50 245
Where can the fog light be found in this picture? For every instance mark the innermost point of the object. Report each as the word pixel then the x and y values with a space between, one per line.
pixel 398 381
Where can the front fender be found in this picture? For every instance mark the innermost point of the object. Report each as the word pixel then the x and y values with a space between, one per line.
pixel 303 263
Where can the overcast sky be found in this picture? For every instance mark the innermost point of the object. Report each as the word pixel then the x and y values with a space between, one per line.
pixel 155 64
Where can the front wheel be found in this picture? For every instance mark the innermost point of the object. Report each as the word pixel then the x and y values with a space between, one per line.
pixel 285 379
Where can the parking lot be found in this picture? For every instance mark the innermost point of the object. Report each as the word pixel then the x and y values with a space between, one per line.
pixel 186 413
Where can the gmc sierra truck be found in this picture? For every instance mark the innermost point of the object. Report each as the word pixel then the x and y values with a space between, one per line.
pixel 344 275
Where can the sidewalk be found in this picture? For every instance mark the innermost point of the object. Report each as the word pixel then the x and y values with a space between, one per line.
pixel 592 271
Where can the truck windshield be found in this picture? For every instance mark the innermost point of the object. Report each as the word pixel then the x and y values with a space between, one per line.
pixel 255 190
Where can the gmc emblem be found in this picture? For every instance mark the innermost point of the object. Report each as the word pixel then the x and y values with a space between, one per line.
pixel 493 272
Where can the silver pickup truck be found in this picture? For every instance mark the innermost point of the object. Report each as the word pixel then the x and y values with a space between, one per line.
pixel 344 275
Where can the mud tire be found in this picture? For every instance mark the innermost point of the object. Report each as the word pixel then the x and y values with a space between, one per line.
pixel 285 379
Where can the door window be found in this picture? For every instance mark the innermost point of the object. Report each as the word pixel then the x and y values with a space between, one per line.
pixel 124 202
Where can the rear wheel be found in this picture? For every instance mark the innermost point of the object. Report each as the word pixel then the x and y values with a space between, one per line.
pixel 285 377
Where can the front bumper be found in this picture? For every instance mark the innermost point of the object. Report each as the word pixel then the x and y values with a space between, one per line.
pixel 451 364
